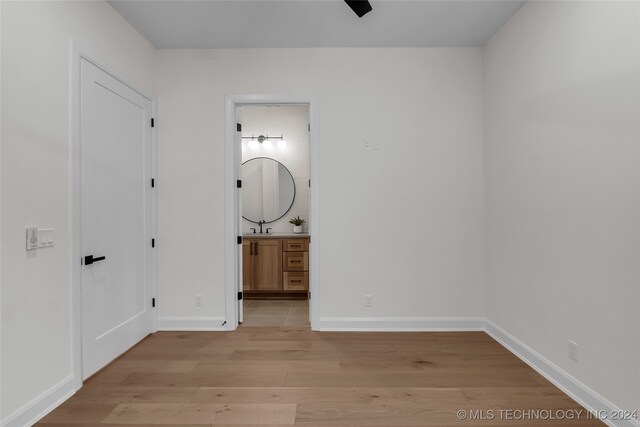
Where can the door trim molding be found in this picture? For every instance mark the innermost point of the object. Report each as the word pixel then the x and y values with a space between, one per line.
pixel 76 54
pixel 232 262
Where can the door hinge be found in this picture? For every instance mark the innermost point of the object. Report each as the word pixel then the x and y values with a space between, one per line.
pixel 239 240
pixel 153 302
pixel 309 127
pixel 153 243
pixel 239 183
pixel 238 127
pixel 239 296
pixel 309 183
pixel 153 182
pixel 153 122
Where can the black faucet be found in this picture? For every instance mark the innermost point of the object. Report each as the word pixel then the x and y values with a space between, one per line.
pixel 260 224
pixel 254 230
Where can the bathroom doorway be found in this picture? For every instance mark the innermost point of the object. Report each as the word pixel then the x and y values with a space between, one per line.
pixel 274 214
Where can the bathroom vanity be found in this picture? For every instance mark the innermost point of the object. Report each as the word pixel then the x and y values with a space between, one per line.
pixel 275 266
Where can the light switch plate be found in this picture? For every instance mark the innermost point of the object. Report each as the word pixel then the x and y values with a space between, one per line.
pixel 371 144
pixel 32 238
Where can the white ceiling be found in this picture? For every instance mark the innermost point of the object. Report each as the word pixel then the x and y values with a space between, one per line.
pixel 315 23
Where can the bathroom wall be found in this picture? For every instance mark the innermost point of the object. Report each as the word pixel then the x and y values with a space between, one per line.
pixel 291 122
pixel 562 105
pixel 404 223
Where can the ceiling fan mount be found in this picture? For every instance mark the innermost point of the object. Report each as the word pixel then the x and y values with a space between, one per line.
pixel 360 7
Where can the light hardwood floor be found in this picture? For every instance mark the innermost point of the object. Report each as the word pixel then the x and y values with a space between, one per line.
pixel 282 376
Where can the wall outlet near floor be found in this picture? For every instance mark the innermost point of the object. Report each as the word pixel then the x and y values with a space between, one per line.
pixel 573 350
pixel 368 300
pixel 198 300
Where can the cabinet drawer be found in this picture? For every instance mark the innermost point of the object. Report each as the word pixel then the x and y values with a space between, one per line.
pixel 295 281
pixel 295 261
pixel 295 245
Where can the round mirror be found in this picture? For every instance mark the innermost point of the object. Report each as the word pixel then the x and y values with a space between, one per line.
pixel 268 190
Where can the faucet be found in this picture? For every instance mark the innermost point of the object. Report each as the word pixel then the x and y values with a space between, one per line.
pixel 254 229
pixel 260 224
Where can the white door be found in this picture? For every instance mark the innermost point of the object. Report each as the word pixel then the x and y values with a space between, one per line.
pixel 115 174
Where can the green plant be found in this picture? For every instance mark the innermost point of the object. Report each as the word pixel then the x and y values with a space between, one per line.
pixel 297 221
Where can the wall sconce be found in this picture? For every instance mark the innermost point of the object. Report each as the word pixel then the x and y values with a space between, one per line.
pixel 266 141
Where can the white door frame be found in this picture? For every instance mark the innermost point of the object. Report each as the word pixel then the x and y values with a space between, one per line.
pixel 233 227
pixel 78 53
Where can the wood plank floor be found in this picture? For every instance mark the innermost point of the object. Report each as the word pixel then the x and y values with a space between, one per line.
pixel 283 376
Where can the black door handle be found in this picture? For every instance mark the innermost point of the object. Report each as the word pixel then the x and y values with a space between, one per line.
pixel 89 259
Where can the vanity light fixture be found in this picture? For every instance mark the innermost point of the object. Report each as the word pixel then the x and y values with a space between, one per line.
pixel 266 141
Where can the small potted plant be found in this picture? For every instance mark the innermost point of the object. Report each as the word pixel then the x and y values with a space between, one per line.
pixel 297 224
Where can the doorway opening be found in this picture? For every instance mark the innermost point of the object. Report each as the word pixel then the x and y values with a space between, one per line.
pixel 296 254
pixel 275 175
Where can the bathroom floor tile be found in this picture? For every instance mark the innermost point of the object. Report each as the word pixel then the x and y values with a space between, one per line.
pixel 276 313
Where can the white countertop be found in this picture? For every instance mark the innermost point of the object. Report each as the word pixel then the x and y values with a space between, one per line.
pixel 276 235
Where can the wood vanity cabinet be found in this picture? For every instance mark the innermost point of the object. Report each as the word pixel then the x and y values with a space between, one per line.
pixel 261 265
pixel 275 268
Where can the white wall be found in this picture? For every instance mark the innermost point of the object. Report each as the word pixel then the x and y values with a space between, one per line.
pixel 562 103
pixel 36 288
pixel 291 122
pixel 404 224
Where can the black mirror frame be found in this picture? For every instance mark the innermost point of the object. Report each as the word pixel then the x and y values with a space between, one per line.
pixel 294 190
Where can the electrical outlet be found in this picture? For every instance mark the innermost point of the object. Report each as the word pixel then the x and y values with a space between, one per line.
pixel 368 300
pixel 198 300
pixel 573 350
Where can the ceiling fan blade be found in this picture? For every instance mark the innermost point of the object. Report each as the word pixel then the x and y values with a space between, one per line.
pixel 360 7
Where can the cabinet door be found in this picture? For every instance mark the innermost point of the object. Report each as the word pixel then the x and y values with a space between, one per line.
pixel 267 256
pixel 248 273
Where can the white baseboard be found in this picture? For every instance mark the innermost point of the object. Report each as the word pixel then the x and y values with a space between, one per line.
pixel 579 392
pixel 401 324
pixel 191 324
pixel 41 405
